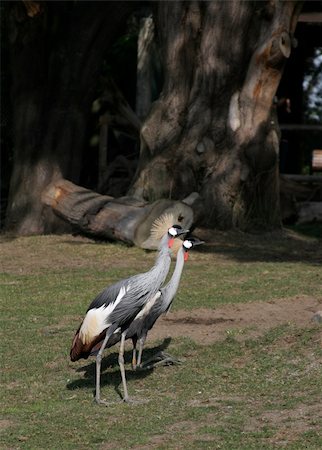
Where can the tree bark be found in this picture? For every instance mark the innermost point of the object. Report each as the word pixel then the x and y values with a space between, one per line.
pixel 125 219
pixel 213 129
pixel 148 68
pixel 56 54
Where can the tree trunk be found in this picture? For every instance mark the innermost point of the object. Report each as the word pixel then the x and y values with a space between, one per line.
pixel 148 70
pixel 213 129
pixel 56 55
pixel 125 219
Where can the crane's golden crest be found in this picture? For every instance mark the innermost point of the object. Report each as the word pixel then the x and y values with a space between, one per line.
pixel 161 225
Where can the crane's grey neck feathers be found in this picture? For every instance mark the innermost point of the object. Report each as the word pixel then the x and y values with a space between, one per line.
pixel 163 246
pixel 161 267
pixel 170 289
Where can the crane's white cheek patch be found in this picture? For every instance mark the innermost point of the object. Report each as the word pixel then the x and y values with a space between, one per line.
pixel 172 231
pixel 93 324
pixel 187 244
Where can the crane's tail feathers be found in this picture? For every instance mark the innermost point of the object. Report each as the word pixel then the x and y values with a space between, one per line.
pixel 76 352
pixel 80 350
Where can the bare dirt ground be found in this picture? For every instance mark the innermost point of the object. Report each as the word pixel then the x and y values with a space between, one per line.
pixel 241 321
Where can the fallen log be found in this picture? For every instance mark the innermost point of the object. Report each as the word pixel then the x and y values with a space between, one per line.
pixel 126 219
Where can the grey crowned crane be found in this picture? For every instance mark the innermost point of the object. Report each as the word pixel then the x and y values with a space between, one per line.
pixel 160 303
pixel 117 305
pixel 157 305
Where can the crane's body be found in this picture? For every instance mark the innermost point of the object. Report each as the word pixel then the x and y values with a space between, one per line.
pixel 157 305
pixel 116 307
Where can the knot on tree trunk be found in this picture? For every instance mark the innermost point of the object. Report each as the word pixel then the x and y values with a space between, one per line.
pixel 280 50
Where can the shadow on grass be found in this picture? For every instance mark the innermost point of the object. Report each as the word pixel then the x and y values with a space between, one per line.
pixel 84 239
pixel 300 243
pixel 287 245
pixel 111 362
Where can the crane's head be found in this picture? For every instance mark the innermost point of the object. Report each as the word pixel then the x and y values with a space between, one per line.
pixel 164 231
pixel 173 232
pixel 188 244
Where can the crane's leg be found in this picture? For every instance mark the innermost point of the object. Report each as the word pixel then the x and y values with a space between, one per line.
pixel 160 359
pixel 98 370
pixel 98 378
pixel 126 397
pixel 122 369
pixel 134 361
pixel 141 345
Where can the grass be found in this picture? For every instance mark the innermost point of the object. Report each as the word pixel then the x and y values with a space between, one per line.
pixel 236 394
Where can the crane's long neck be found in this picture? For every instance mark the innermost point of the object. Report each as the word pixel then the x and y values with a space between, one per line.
pixel 161 267
pixel 170 290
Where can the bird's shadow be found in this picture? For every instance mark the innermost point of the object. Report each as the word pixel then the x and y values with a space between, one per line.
pixel 110 362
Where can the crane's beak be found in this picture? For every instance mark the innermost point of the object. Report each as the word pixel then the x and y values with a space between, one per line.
pixel 180 232
pixel 198 242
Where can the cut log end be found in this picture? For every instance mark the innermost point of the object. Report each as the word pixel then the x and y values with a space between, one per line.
pixel 124 219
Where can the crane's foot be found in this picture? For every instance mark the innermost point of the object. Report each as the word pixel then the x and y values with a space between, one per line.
pixel 160 359
pixel 104 402
pixel 135 401
pixel 127 400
